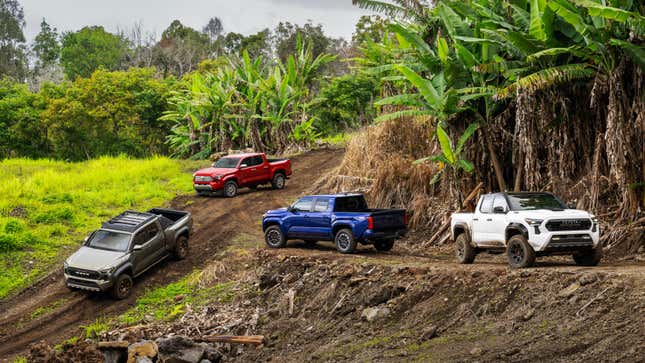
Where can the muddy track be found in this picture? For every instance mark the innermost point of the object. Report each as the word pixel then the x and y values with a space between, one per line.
pixel 216 222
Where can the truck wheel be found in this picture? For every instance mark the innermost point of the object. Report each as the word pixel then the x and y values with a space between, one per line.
pixel 519 253
pixel 384 245
pixel 230 189
pixel 274 237
pixel 588 258
pixel 464 251
pixel 181 249
pixel 278 181
pixel 122 287
pixel 345 242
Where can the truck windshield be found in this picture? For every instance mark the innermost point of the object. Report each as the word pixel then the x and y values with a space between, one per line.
pixel 227 163
pixel 350 204
pixel 535 201
pixel 109 240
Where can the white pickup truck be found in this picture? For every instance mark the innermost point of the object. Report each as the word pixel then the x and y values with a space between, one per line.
pixel 525 226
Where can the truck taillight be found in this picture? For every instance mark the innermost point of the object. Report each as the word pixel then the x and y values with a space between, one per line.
pixel 370 223
pixel 405 218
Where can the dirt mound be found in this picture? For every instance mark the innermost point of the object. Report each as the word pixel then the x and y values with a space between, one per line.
pixel 79 352
pixel 378 161
pixel 315 308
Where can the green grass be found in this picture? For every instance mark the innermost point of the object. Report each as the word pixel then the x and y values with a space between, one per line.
pixel 340 139
pixel 44 310
pixel 169 302
pixel 47 206
pixel 94 330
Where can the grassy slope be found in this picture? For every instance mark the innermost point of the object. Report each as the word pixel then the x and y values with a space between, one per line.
pixel 47 207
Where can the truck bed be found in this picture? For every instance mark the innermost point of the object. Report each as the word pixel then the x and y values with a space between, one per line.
pixel 168 217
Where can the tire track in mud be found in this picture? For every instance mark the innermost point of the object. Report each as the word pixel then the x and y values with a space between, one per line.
pixel 216 222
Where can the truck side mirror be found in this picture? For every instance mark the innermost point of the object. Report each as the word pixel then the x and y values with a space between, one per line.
pixel 499 210
pixel 243 166
pixel 572 205
pixel 137 248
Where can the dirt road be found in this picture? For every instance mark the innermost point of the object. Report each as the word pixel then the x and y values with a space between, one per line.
pixel 217 221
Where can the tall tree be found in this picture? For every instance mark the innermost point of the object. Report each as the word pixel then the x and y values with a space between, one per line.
pixel 12 48
pixel 286 35
pixel 46 46
pixel 181 49
pixel 86 50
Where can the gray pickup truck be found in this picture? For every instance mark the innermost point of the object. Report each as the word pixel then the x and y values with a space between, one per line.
pixel 125 247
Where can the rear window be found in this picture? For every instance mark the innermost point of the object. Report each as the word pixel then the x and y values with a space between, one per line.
pixel 322 205
pixel 350 204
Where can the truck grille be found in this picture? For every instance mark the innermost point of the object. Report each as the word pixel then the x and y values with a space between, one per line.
pixel 200 178
pixel 86 274
pixel 568 225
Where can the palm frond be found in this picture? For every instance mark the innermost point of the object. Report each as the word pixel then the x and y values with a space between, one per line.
pixel 547 78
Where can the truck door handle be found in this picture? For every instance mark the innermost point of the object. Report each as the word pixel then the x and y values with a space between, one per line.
pixel 253 169
pixel 475 219
pixel 266 167
pixel 489 219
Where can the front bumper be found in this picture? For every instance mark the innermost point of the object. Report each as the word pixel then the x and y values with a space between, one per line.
pixel 87 284
pixel 208 187
pixel 563 241
pixel 381 235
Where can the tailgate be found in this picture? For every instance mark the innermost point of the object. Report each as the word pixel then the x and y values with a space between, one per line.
pixel 389 219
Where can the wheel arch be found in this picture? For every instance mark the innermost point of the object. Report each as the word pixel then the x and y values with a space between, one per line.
pixel 514 229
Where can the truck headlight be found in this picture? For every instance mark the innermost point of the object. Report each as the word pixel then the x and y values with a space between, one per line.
pixel 105 273
pixel 594 219
pixel 533 222
pixel 65 266
pixel 217 177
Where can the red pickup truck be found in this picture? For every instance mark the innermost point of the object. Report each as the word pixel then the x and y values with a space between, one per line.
pixel 241 170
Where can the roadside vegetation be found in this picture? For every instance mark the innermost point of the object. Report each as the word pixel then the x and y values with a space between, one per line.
pixel 48 206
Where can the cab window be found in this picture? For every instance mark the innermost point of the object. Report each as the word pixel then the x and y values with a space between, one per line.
pixel 487 204
pixel 303 205
pixel 247 162
pixel 500 201
pixel 322 205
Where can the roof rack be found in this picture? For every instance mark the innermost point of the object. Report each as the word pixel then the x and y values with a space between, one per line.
pixel 128 221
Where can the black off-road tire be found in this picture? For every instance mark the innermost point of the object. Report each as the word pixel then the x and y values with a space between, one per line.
pixel 122 287
pixel 345 242
pixel 278 181
pixel 384 245
pixel 464 251
pixel 230 189
pixel 588 258
pixel 274 237
pixel 181 248
pixel 519 253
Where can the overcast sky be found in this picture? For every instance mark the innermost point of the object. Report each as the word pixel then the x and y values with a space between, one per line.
pixel 242 16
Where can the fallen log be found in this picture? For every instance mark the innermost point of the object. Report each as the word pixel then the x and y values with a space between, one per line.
pixel 234 339
pixel 440 233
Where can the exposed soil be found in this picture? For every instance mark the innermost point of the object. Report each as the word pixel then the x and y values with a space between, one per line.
pixel 216 221
pixel 310 301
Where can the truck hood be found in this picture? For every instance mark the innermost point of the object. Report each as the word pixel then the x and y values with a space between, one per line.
pixel 551 214
pixel 214 171
pixel 276 212
pixel 93 259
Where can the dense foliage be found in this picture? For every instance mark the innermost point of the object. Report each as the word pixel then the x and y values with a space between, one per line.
pixel 490 62
pixel 107 114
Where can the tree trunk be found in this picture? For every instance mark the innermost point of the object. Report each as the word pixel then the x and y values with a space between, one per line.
pixel 493 158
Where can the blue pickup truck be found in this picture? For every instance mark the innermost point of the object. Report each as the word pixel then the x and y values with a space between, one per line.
pixel 344 219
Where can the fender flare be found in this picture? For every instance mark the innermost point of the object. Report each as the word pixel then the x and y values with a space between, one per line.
pixel 467 231
pixel 121 269
pixel 183 231
pixel 515 226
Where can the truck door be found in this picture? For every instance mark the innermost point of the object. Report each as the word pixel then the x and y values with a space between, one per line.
pixel 481 219
pixel 320 219
pixel 246 172
pixel 297 221
pixel 497 227
pixel 151 240
pixel 263 173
